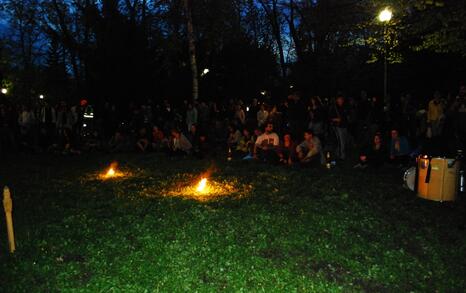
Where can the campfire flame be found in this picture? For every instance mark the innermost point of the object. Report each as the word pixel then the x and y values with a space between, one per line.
pixel 110 172
pixel 201 187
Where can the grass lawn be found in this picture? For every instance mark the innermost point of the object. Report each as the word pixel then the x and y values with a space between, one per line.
pixel 275 230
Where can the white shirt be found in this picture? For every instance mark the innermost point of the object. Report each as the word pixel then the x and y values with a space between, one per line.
pixel 268 139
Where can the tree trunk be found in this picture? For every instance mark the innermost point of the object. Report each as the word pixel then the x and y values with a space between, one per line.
pixel 278 37
pixel 275 24
pixel 294 33
pixel 253 15
pixel 192 49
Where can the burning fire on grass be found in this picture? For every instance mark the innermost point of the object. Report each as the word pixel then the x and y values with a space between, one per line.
pixel 111 172
pixel 204 187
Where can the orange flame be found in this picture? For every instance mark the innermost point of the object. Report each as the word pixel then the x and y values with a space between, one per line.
pixel 110 172
pixel 201 186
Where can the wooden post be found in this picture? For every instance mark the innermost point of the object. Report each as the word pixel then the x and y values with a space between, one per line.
pixel 8 206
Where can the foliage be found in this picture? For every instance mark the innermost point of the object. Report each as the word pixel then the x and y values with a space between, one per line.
pixel 439 26
pixel 142 46
pixel 310 230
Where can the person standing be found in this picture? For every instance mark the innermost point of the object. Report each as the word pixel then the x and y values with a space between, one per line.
pixel 262 116
pixel 240 116
pixel 191 116
pixel 339 121
pixel 316 116
pixel 435 115
pixel 458 109
pixel 47 121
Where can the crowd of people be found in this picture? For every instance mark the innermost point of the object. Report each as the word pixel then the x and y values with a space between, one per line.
pixel 295 130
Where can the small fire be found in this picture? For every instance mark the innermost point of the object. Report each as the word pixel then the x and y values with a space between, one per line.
pixel 201 187
pixel 110 172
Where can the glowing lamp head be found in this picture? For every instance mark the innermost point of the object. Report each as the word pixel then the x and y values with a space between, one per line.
pixel 385 15
pixel 41 97
pixel 201 186
pixel 263 93
pixel 4 91
pixel 205 71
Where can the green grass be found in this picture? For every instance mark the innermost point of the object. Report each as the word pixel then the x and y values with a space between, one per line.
pixel 283 230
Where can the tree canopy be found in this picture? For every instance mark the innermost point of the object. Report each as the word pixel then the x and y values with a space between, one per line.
pixel 138 49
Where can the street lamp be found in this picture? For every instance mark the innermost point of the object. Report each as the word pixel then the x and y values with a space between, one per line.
pixel 385 16
pixel 41 97
pixel 4 91
pixel 205 71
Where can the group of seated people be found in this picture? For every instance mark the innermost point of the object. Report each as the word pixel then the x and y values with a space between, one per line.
pixel 263 144
pixel 377 153
pixel 175 144
pixel 266 146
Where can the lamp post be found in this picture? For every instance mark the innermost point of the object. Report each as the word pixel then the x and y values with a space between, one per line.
pixel 385 16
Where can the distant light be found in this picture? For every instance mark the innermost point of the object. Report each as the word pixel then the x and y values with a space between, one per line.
pixel 41 97
pixel 205 71
pixel 291 86
pixel 263 93
pixel 247 109
pixel 385 15
pixel 84 125
pixel 4 91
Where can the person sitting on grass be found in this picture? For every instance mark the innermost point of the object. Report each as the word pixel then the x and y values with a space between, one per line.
pixel 287 151
pixel 234 136
pixel 198 141
pixel 266 146
pixel 399 148
pixel 193 135
pixel 204 149
pixel 246 144
pixel 159 142
pixel 142 142
pixel 119 142
pixel 310 149
pixel 257 132
pixel 374 155
pixel 179 144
